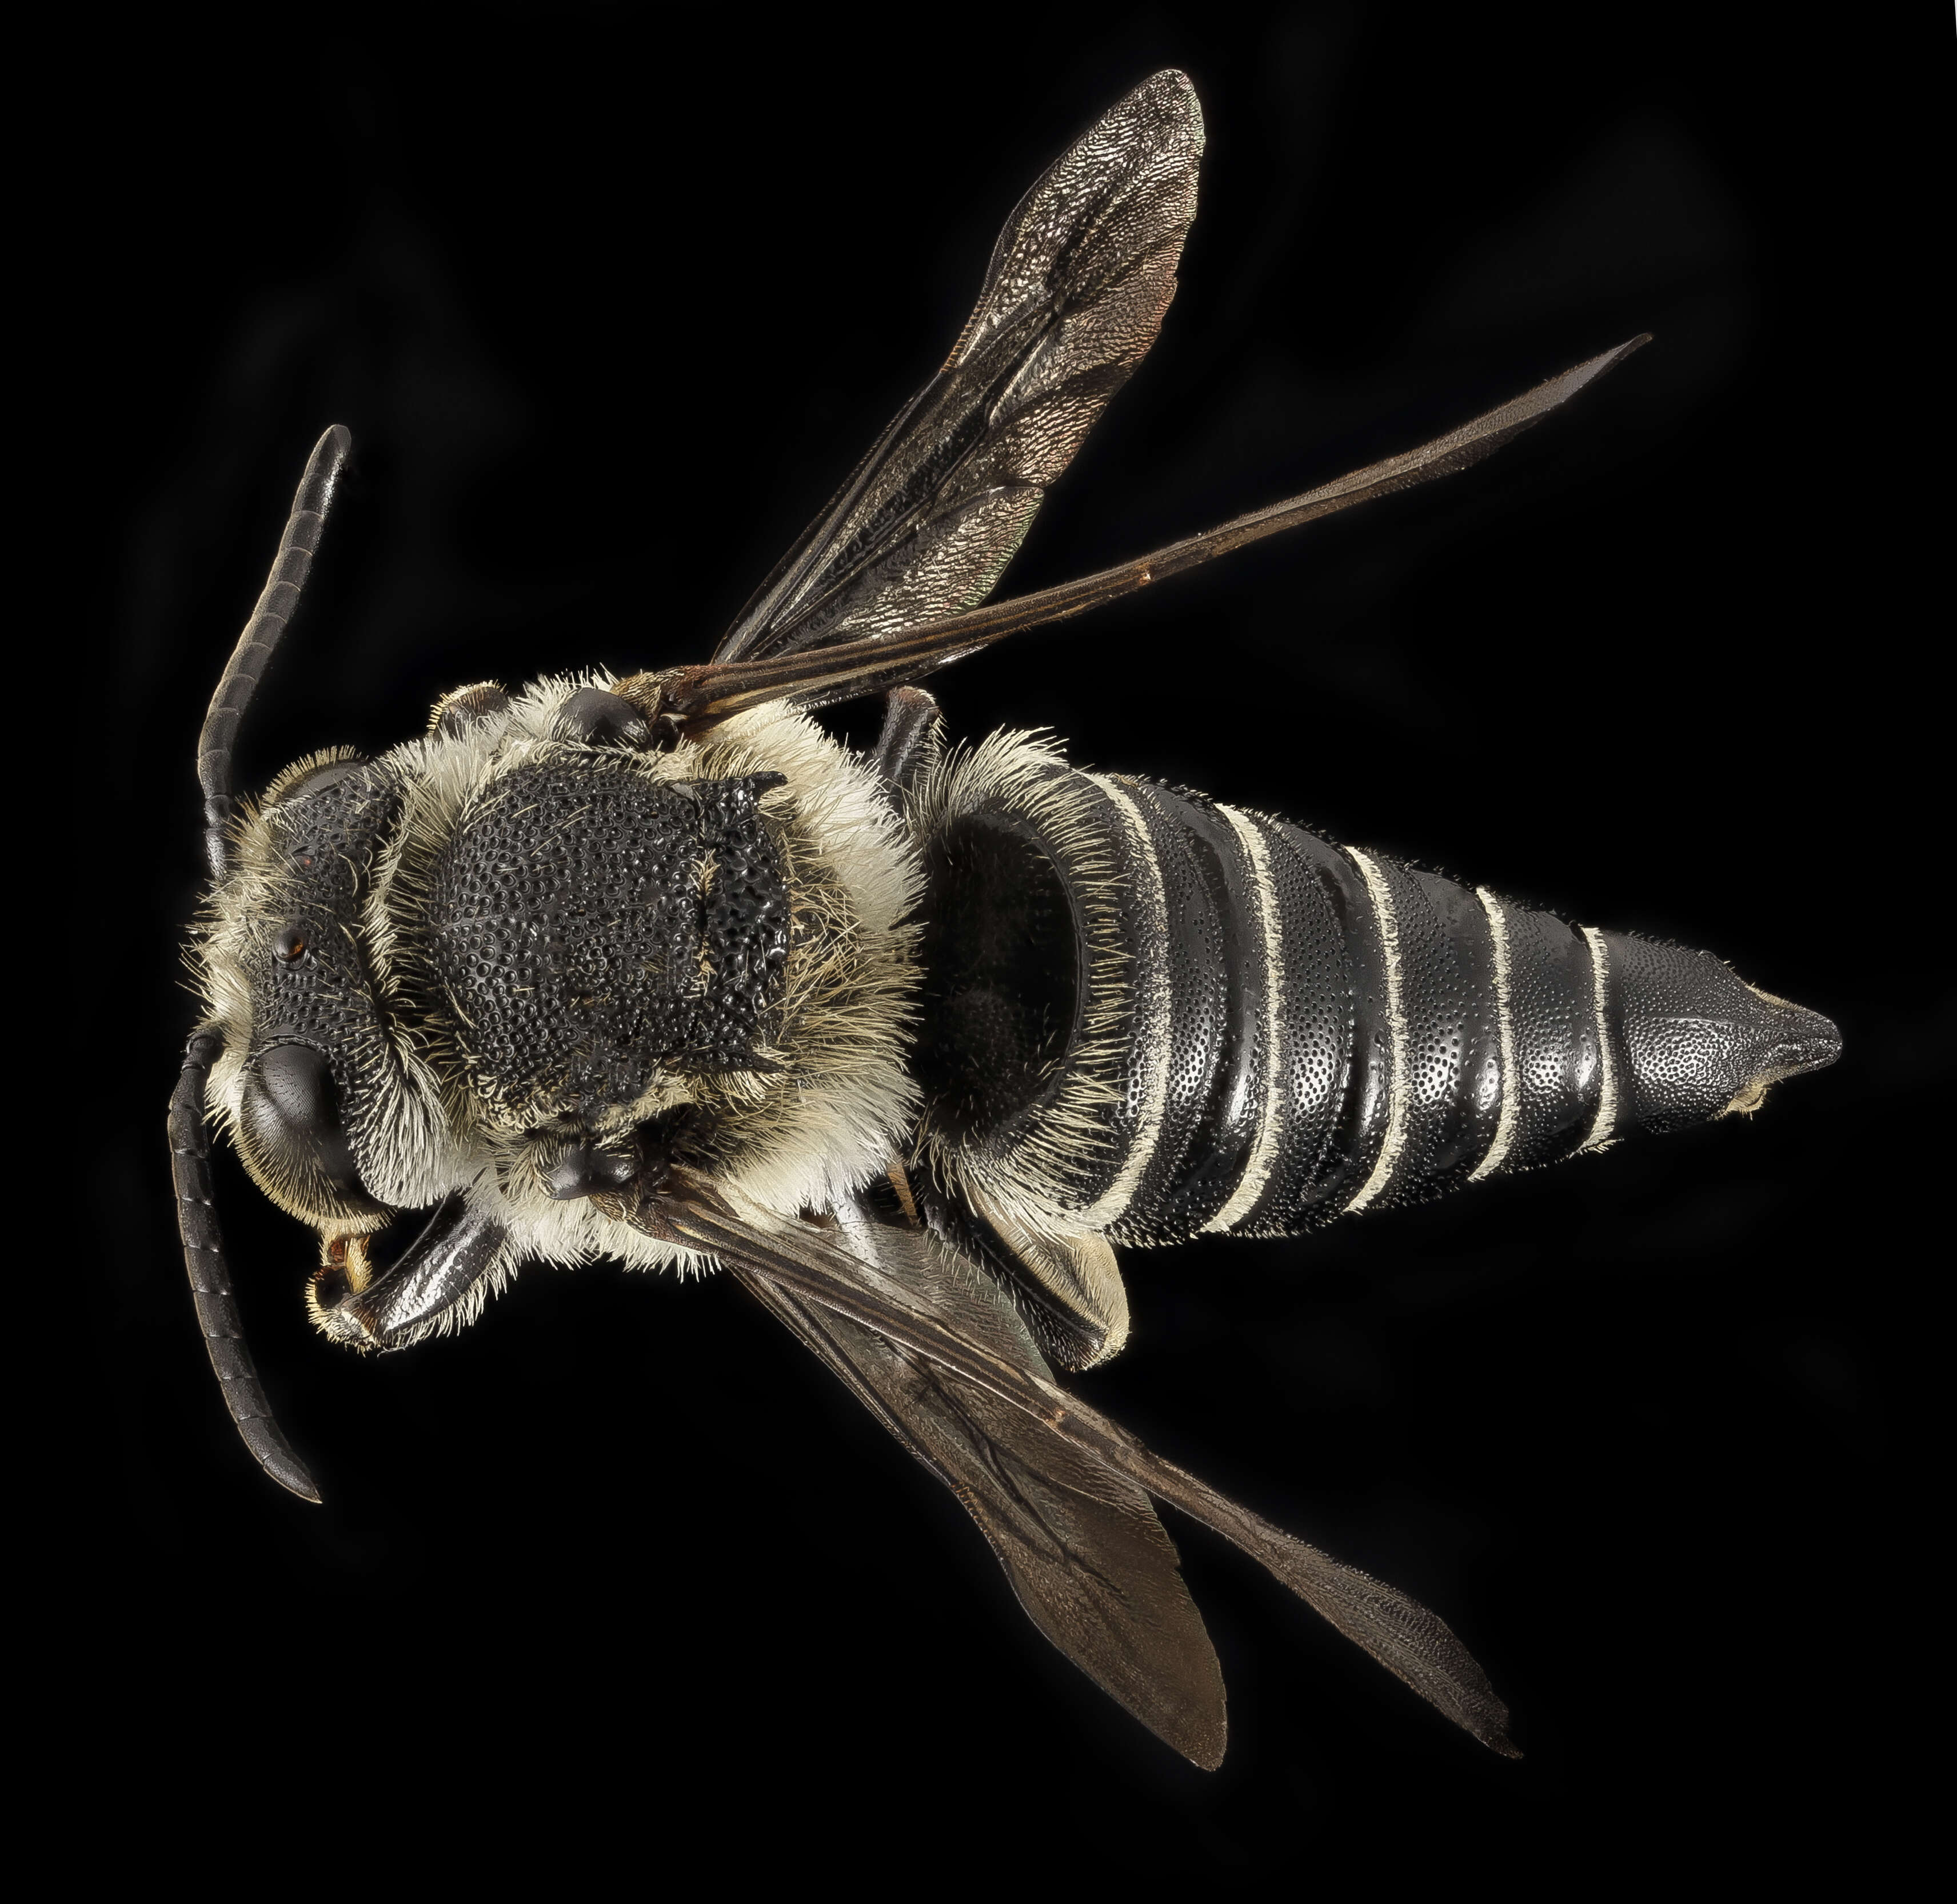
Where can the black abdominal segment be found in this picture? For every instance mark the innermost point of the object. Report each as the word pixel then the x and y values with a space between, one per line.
pixel 1000 996
pixel 1558 1056
pixel 1332 1076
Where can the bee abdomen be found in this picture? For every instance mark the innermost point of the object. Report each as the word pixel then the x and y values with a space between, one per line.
pixel 1242 1027
pixel 1337 1031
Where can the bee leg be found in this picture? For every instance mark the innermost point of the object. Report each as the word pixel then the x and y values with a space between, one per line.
pixel 652 1149
pixel 911 726
pixel 887 1200
pixel 1068 1291
pixel 459 1247
pixel 585 1168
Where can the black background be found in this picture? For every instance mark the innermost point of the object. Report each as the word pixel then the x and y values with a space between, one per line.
pixel 611 298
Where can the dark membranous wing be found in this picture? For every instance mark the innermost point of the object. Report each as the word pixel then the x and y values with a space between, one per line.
pixel 699 697
pixel 1078 284
pixel 883 1307
pixel 1082 1546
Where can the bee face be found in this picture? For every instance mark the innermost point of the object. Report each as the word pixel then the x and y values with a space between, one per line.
pixel 291 983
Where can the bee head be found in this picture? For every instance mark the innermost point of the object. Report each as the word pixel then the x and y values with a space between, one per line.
pixel 303 1082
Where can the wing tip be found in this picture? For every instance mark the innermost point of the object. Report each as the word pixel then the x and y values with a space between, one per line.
pixel 1483 1717
pixel 1554 392
pixel 1605 362
pixel 1172 92
pixel 1206 1755
pixel 1199 1732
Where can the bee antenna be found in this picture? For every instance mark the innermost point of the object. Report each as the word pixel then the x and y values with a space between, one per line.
pixel 262 634
pixel 204 1243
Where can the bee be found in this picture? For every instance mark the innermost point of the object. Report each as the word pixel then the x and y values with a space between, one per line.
pixel 653 968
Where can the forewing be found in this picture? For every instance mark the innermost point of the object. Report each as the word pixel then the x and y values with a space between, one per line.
pixel 1081 1545
pixel 892 1298
pixel 1078 282
pixel 699 697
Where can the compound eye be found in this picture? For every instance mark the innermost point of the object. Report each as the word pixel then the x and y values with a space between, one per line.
pixel 289 949
pixel 293 1111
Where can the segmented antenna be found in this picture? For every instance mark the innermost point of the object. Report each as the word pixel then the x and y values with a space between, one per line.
pixel 262 634
pixel 209 1274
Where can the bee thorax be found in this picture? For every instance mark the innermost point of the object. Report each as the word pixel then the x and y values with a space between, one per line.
pixel 591 927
